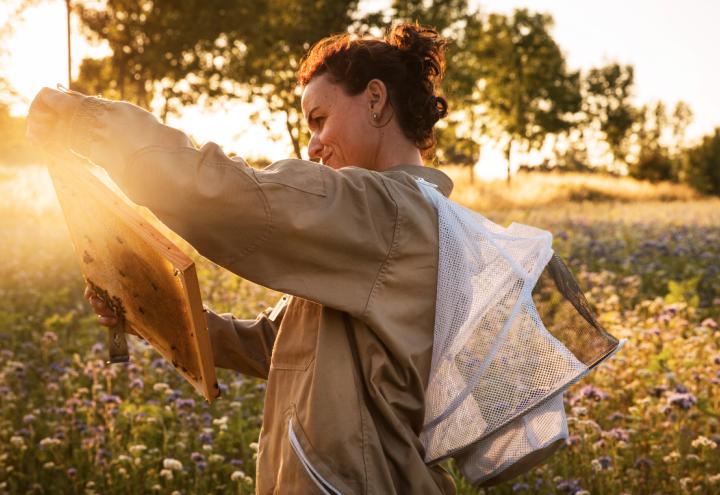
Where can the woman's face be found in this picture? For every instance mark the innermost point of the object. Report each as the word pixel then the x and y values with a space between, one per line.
pixel 340 125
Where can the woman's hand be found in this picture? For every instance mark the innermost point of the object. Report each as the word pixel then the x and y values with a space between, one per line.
pixel 105 315
pixel 50 113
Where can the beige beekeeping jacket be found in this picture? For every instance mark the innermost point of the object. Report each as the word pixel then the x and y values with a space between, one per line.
pixel 347 352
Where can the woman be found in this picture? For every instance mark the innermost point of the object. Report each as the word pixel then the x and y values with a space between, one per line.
pixel 352 241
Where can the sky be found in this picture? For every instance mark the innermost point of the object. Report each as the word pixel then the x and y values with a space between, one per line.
pixel 672 45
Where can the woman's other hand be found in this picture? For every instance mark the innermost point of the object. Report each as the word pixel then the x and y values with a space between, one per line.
pixel 105 315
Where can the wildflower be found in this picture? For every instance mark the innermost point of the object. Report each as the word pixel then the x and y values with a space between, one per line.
pixel 681 400
pixel 216 458
pixel 197 457
pixel 692 457
pixel 714 478
pixel 28 418
pixel 17 441
pixel 167 474
pixel 709 323
pixel 185 403
pixel 236 462
pixel 254 446
pixel 644 463
pixel 71 472
pixel 519 487
pixel 49 442
pixel 137 450
pixel 569 486
pixel 97 348
pixel 160 387
pixel 49 465
pixel 671 457
pixel 137 384
pixel 172 464
pixel 702 441
pixel 49 338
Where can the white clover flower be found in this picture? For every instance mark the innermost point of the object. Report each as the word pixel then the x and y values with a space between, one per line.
pixel 156 488
pixel 220 421
pixel 671 457
pixel 17 441
pixel 124 458
pixel 137 450
pixel 49 442
pixel 216 458
pixel 160 387
pixel 172 464
pixel 702 441
pixel 49 465
pixel 167 474
pixel 254 446
pixel 237 476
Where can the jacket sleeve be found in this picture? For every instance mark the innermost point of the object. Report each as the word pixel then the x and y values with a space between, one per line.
pixel 245 345
pixel 297 227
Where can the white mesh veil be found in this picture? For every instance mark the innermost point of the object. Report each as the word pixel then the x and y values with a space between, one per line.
pixel 494 396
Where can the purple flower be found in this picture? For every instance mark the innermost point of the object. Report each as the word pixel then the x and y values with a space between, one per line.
pixel 569 486
pixel 71 472
pixel 197 457
pixel 519 487
pixel 589 391
pixel 185 403
pixel 236 462
pixel 205 438
pixel 137 383
pixel 605 461
pixel 110 399
pixel 680 388
pixel 643 463
pixel 28 418
pixel 97 348
pixel 620 434
pixel 682 400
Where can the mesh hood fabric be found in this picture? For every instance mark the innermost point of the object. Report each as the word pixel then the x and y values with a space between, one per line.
pixel 494 393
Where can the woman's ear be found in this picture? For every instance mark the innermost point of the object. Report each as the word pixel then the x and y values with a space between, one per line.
pixel 376 93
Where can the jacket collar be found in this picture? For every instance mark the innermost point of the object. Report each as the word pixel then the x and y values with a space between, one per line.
pixel 437 177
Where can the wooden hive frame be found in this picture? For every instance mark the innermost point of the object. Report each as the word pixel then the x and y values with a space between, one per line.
pixel 149 282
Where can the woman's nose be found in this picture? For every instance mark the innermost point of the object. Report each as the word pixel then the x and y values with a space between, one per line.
pixel 315 148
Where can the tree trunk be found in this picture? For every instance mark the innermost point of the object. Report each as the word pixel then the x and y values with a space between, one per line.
pixel 294 137
pixel 69 51
pixel 508 152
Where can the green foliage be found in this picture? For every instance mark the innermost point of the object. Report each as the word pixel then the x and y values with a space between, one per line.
pixel 684 291
pixel 525 85
pixel 701 164
pixel 607 92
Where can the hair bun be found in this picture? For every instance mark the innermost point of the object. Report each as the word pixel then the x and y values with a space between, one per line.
pixel 424 46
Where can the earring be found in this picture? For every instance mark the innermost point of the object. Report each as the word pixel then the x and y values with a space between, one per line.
pixel 374 116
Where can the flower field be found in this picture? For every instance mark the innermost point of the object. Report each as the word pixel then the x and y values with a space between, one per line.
pixel 645 422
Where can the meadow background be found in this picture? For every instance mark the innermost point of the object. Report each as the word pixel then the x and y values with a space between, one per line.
pixel 644 422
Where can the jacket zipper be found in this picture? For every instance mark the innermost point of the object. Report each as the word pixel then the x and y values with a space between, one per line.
pixel 321 482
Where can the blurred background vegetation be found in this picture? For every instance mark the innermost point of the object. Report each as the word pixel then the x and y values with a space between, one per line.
pixel 507 79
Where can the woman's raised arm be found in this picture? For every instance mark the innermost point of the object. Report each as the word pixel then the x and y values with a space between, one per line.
pixel 296 226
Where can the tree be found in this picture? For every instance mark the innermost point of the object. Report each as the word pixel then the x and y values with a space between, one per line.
pixel 525 85
pixel 159 47
pixel 606 104
pixel 272 49
pixel 701 164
